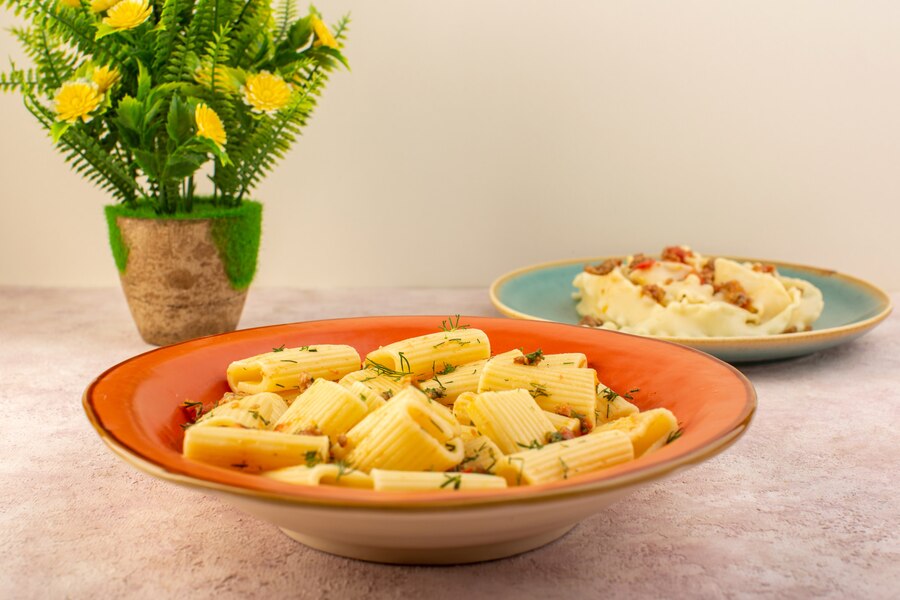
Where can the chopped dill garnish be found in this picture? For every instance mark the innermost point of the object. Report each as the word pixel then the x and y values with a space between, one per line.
pixel 278 349
pixel 343 469
pixel 450 479
pixel 279 385
pixel 609 395
pixel 531 358
pixel 197 407
pixel 312 458
pixel 674 436
pixel 475 456
pixel 446 370
pixel 434 393
pixel 386 371
pixel 440 383
pixel 451 325
pixel 405 360
pixel 307 349
pixel 288 360
pixel 537 390
pixel 565 468
pixel 534 445
pixel 255 414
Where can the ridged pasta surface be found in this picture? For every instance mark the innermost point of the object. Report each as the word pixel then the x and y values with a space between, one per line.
pixel 281 370
pixel 562 460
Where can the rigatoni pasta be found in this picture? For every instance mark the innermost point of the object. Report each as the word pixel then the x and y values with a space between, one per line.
pixel 566 459
pixel 568 391
pixel 612 406
pixel 430 413
pixel 647 430
pixel 426 355
pixel 409 434
pixel 386 385
pixel 326 408
pixel 253 450
pixel 512 419
pixel 286 368
pixel 321 474
pixel 421 481
pixel 257 411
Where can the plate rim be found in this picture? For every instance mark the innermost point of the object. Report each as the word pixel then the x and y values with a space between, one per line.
pixel 717 341
pixel 472 500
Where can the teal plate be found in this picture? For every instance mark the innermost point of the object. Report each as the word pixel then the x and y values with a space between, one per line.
pixel 852 307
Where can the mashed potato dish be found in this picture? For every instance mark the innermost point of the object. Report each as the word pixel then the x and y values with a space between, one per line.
pixel 685 294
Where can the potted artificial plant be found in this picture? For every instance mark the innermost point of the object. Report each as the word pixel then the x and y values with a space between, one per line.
pixel 153 101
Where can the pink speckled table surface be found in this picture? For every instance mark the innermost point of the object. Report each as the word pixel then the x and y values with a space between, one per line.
pixel 805 505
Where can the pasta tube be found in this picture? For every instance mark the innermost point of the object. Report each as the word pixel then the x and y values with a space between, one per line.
pixel 258 411
pixel 512 419
pixel 571 360
pixel 382 384
pixel 410 433
pixel 372 398
pixel 568 391
pixel 451 381
pixel 461 407
pixel 426 355
pixel 648 430
pixel 562 460
pixel 612 406
pixel 481 453
pixel 325 408
pixel 281 370
pixel 560 422
pixel 252 450
pixel 424 481
pixel 323 474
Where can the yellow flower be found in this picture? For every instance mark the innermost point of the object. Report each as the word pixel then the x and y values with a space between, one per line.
pixel 105 78
pixel 266 92
pixel 323 34
pixel 71 3
pixel 77 100
pixel 209 125
pixel 98 6
pixel 128 14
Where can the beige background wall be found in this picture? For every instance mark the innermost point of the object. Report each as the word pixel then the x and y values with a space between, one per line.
pixel 473 137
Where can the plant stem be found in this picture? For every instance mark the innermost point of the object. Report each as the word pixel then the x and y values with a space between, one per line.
pixel 189 196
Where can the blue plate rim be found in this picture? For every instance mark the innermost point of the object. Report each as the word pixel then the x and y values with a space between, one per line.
pixel 799 338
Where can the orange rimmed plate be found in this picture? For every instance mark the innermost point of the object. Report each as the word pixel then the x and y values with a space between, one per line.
pixel 134 406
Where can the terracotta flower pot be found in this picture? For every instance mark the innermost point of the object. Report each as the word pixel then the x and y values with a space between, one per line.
pixel 175 278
